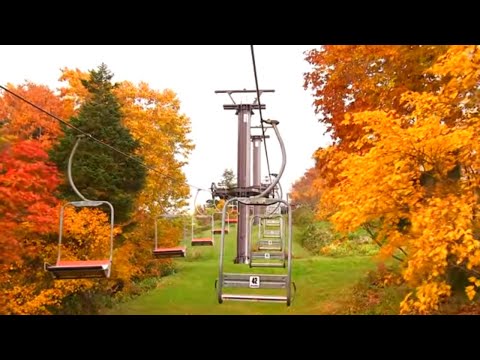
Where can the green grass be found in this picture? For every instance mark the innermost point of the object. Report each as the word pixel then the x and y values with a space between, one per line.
pixel 322 284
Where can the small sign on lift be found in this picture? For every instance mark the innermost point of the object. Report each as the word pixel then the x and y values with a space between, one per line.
pixel 254 281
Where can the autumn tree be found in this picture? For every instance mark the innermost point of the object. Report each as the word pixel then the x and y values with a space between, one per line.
pixel 307 190
pixel 75 93
pixel 20 119
pixel 355 78
pixel 155 121
pixel 101 173
pixel 28 209
pixel 406 168
pixel 27 195
pixel 28 289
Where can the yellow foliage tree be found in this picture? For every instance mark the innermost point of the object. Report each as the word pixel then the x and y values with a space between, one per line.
pixel 154 119
pixel 417 179
pixel 75 93
pixel 86 234
pixel 28 289
pixel 219 205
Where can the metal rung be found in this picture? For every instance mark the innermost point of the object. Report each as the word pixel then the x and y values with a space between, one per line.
pixel 258 201
pixel 273 255
pixel 269 243
pixel 269 237
pixel 270 248
pixel 267 298
pixel 265 281
pixel 272 222
pixel 86 203
pixel 272 233
pixel 272 228
pixel 271 265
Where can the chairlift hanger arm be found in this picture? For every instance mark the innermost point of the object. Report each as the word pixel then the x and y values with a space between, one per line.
pixel 70 160
pixel 196 195
pixel 274 124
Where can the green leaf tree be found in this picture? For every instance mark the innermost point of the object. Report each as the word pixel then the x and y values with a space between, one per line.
pixel 98 172
pixel 228 179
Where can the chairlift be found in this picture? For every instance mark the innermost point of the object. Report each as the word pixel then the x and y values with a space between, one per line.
pixel 258 281
pixel 232 217
pixel 196 239
pixel 170 252
pixel 205 240
pixel 271 232
pixel 81 269
pixel 268 250
pixel 219 230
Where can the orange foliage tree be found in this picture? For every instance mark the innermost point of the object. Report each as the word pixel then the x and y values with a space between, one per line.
pixel 27 201
pixel 407 166
pixel 24 121
pixel 348 79
pixel 75 93
pixel 27 215
pixel 307 190
pixel 30 290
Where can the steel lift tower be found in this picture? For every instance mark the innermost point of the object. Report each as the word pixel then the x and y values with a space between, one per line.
pixel 244 113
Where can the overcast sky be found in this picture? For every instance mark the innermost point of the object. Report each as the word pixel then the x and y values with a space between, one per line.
pixel 194 72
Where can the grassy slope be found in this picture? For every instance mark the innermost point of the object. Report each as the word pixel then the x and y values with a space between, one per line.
pixel 322 284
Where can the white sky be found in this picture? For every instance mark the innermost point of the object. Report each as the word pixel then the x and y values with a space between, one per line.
pixel 194 72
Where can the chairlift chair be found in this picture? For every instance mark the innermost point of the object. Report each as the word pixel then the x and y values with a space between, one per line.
pixel 169 252
pixel 271 232
pixel 202 241
pixel 267 251
pixel 259 281
pixel 81 269
pixel 219 230
pixel 232 219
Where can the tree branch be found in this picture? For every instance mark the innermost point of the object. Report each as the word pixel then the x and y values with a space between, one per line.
pixel 374 238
